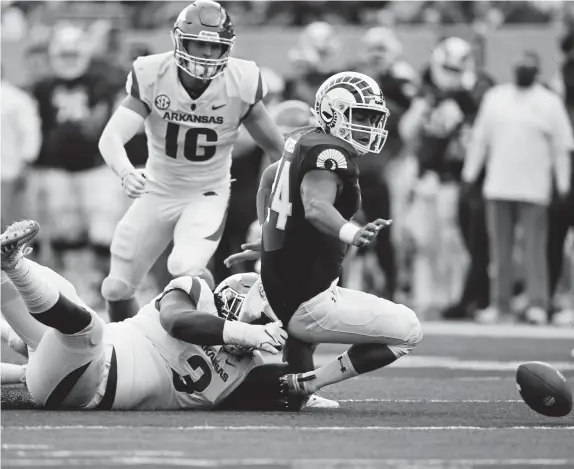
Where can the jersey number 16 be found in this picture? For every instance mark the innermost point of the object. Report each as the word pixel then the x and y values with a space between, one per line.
pixel 192 149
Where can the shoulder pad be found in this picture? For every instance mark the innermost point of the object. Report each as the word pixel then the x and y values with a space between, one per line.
pixel 244 80
pixel 321 151
pixel 143 75
pixel 193 286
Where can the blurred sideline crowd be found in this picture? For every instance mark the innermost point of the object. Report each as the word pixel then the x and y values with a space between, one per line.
pixel 476 175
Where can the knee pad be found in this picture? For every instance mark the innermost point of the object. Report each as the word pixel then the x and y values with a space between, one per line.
pixel 114 289
pixel 413 332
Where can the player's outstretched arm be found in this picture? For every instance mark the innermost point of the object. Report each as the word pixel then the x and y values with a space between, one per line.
pixel 180 318
pixel 124 124
pixel 264 131
pixel 319 190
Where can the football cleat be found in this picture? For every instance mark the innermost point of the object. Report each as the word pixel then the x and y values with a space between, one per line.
pixel 315 401
pixel 295 383
pixel 13 241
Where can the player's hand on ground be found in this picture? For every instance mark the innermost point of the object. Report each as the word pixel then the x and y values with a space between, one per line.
pixel 134 183
pixel 251 252
pixel 369 232
pixel 271 337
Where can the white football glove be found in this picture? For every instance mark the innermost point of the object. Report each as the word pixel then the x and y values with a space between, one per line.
pixel 134 183
pixel 269 338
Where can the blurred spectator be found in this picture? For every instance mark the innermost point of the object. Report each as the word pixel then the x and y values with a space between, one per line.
pixel 14 22
pixel 523 136
pixel 435 127
pixel 472 225
pixel 21 139
pixel 381 61
pixel 561 210
pixel 313 60
pixel 74 105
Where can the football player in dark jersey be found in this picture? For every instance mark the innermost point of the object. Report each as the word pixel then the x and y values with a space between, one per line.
pixel 307 230
pixel 438 124
pixel 74 105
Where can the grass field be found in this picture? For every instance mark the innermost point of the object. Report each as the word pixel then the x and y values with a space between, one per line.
pixel 451 404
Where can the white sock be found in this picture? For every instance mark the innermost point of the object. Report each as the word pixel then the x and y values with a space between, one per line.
pixel 335 371
pixel 38 294
pixel 12 374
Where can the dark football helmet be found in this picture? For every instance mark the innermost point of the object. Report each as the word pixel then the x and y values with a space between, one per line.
pixel 203 22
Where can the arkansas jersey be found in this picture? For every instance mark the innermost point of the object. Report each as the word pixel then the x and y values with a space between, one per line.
pixel 180 375
pixel 190 140
pixel 298 261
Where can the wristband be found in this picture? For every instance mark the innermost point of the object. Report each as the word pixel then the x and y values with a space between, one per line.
pixel 347 232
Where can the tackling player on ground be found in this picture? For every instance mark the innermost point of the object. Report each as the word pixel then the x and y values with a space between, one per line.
pixel 169 356
pixel 191 101
pixel 307 230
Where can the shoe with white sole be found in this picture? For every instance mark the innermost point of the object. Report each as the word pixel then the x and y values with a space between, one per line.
pixel 489 315
pixel 536 315
pixel 13 242
pixel 315 401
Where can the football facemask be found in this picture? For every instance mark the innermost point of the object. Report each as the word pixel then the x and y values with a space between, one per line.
pixel 230 294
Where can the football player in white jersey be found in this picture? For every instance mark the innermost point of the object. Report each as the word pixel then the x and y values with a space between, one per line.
pixel 192 102
pixel 171 355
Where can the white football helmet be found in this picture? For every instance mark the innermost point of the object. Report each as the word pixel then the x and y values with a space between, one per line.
pixel 452 64
pixel 230 294
pixel 70 51
pixel 346 98
pixel 204 21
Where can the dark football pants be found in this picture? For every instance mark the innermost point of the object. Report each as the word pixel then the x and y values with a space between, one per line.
pixel 502 218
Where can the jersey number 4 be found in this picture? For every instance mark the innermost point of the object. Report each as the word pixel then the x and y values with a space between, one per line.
pixel 192 150
pixel 280 201
pixel 186 383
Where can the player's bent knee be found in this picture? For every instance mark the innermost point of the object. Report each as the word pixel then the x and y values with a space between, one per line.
pixel 114 289
pixel 178 267
pixel 413 332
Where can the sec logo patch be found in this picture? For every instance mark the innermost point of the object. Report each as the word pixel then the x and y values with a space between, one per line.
pixel 162 102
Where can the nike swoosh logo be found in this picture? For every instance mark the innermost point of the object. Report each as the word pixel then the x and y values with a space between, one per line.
pixel 230 364
pixel 218 107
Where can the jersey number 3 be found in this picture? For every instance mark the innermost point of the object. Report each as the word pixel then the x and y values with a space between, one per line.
pixel 280 201
pixel 192 149
pixel 186 384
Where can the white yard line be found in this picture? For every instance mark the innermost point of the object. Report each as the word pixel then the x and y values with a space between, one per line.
pixel 280 428
pixel 424 361
pixel 434 401
pixel 292 463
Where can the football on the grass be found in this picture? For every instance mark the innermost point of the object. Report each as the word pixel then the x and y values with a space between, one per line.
pixel 544 389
